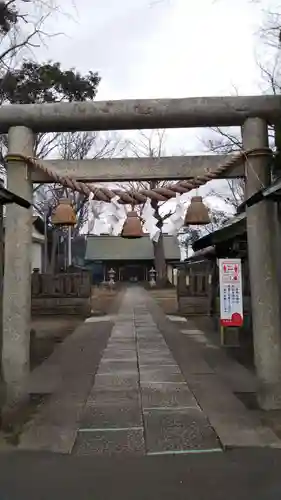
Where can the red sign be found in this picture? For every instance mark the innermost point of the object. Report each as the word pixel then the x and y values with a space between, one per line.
pixel 231 298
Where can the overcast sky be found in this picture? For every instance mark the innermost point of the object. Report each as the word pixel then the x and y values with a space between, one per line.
pixel 162 48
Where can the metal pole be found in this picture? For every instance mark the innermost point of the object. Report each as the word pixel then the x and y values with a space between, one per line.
pixel 69 247
pixel 45 240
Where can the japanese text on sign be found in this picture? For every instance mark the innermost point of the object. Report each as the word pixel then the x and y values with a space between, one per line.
pixel 231 299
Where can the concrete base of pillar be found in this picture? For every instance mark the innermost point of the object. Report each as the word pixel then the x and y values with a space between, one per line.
pixel 269 397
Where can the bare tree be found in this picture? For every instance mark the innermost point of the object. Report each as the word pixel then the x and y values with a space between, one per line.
pixel 224 141
pixel 74 146
pixel 22 28
pixel 152 145
pixel 269 63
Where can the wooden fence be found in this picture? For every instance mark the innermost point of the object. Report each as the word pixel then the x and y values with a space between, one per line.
pixel 194 288
pixel 64 293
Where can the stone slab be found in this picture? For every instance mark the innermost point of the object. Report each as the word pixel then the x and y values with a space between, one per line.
pixel 201 339
pixel 192 332
pixel 154 349
pixel 58 439
pixel 119 355
pixel 121 344
pixel 117 381
pixel 59 412
pixel 98 319
pixel 166 374
pixel 242 431
pixel 117 367
pixel 124 335
pixel 148 333
pixel 119 396
pixel 213 395
pixel 44 381
pixel 112 358
pixel 110 443
pixel 167 395
pixel 195 365
pixel 156 361
pixel 177 319
pixel 236 376
pixel 178 431
pixel 157 350
pixel 118 415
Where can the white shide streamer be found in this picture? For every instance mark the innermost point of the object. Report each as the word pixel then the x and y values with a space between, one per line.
pixel 116 216
pixel 176 220
pixel 150 222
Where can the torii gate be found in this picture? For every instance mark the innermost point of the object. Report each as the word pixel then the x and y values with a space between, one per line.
pixel 252 113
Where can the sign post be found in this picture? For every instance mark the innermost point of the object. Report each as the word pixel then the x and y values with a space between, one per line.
pixel 231 298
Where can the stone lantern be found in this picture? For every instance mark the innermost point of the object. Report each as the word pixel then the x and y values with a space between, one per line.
pixel 111 275
pixel 152 276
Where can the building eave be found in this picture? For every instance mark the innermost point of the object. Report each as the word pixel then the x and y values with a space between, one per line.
pixel 234 227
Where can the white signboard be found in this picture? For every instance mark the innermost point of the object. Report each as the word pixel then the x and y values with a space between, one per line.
pixel 231 298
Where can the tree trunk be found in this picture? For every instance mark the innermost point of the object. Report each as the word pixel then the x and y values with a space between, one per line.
pixel 53 252
pixel 160 262
pixel 158 247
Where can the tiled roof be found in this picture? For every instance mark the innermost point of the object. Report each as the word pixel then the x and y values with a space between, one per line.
pixel 106 247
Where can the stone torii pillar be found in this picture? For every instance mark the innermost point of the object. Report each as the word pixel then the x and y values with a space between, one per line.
pixel 17 272
pixel 261 230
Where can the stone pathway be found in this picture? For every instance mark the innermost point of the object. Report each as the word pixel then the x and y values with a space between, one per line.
pixel 140 402
pixel 137 399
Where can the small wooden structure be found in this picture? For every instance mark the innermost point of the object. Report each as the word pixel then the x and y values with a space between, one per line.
pixel 198 284
pixel 131 259
pixel 64 293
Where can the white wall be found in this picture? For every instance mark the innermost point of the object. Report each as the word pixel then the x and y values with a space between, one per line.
pixel 172 274
pixel 36 256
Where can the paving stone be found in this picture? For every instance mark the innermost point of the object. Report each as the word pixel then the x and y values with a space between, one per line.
pixel 151 347
pixel 45 380
pixel 178 430
pixel 241 432
pixel 118 396
pixel 123 442
pixel 122 346
pixel 151 334
pixel 122 343
pixel 212 394
pixel 167 395
pixel 59 439
pixel 123 414
pixel 59 412
pixel 156 361
pixel 127 358
pixel 164 374
pixel 195 365
pixel 98 319
pixel 177 319
pixel 192 332
pixel 128 337
pixel 117 381
pixel 117 367
pixel 160 354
